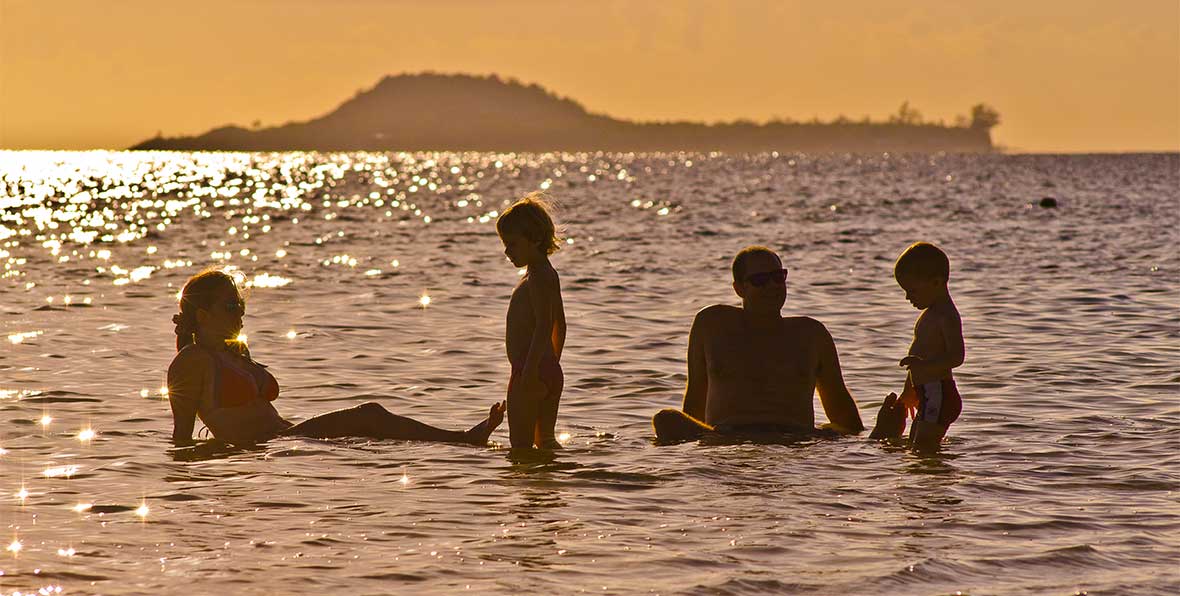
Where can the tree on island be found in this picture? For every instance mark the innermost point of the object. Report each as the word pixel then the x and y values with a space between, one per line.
pixel 906 115
pixel 984 116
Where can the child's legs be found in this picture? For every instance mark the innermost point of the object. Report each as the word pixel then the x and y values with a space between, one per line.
pixel 926 435
pixel 673 425
pixel 546 430
pixel 372 421
pixel 523 418
pixel 939 406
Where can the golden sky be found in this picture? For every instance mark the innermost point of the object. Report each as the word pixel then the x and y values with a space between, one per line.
pixel 1065 75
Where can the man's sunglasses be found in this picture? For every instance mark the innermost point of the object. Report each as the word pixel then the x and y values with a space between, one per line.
pixel 758 280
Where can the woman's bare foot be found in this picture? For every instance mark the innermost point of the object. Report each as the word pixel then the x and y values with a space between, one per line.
pixel 478 435
pixel 890 419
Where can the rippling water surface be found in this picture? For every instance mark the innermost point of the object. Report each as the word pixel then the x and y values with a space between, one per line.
pixel 1061 476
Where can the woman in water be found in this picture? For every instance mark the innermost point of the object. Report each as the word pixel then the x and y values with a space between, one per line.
pixel 213 377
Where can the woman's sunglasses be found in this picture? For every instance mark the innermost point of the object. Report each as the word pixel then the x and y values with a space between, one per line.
pixel 234 307
pixel 758 280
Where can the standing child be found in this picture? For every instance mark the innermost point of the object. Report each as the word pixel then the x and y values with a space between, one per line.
pixel 535 332
pixel 929 395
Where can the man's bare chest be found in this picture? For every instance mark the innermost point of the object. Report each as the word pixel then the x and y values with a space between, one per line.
pixel 759 357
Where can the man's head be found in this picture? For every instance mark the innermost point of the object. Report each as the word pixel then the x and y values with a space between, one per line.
pixel 922 271
pixel 760 279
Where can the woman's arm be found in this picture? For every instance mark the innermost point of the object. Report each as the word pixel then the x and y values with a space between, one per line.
pixel 188 380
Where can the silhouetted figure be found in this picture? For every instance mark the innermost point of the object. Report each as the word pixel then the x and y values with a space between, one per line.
pixel 930 396
pixel 750 369
pixel 535 333
pixel 213 377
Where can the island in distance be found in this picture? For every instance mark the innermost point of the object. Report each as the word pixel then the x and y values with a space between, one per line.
pixel 428 111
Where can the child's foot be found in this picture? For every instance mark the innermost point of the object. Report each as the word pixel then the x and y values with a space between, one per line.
pixel 549 443
pixel 478 435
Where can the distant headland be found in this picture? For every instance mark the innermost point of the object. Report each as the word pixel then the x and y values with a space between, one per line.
pixel 431 111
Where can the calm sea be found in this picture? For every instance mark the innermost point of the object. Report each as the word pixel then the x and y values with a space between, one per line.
pixel 1061 477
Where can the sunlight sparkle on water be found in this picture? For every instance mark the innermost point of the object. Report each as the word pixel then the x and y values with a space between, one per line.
pixel 266 280
pixel 424 301
pixel 60 471
pixel 563 438
pixel 82 507
pixel 20 337
pixel 242 338
pixel 142 511
pixel 66 552
pixel 14 546
pixel 22 495
pixel 291 334
pixel 46 420
pixel 86 435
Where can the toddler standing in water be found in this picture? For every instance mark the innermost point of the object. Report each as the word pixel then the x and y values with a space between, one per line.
pixel 929 394
pixel 535 332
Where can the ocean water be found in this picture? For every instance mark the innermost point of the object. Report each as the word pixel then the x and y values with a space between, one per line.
pixel 1060 477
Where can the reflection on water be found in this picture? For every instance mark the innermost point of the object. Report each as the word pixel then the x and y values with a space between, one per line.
pixel 379 277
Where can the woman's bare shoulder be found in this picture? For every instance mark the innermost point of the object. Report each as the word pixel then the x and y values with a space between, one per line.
pixel 190 360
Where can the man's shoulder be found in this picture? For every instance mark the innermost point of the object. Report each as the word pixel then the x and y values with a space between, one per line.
pixel 717 309
pixel 806 324
pixel 717 312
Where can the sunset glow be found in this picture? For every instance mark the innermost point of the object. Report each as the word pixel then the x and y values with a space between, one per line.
pixel 1067 75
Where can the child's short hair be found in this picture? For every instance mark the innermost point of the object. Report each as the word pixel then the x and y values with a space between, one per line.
pixel 923 260
pixel 530 218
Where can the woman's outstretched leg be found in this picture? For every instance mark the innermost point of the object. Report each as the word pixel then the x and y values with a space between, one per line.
pixel 374 421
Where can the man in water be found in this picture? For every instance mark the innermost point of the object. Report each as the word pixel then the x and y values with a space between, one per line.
pixel 752 370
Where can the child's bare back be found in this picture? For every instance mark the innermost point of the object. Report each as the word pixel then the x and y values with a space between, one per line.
pixel 938 329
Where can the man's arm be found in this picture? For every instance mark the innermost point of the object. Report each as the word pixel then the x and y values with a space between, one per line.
pixel 833 395
pixel 696 389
